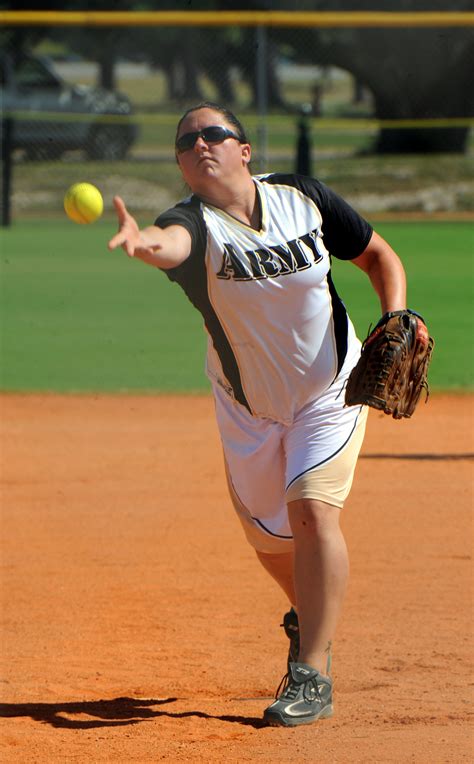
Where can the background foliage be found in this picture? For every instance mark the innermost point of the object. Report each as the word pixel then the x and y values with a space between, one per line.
pixel 416 73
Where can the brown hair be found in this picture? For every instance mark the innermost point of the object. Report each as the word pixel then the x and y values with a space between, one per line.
pixel 226 113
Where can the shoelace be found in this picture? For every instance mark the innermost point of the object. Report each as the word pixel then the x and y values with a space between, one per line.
pixel 289 689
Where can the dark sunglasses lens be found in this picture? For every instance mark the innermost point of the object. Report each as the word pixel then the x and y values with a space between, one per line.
pixel 215 134
pixel 186 141
pixel 212 134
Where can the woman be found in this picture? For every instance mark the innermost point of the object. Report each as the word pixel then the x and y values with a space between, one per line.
pixel 253 256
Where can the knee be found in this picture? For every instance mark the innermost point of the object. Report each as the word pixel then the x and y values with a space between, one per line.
pixel 313 518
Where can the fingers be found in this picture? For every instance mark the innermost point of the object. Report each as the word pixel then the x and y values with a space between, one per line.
pixel 120 207
pixel 118 240
pixel 129 245
pixel 129 236
pixel 127 230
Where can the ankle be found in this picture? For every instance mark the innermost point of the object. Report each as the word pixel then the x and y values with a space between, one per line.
pixel 321 661
pixel 314 662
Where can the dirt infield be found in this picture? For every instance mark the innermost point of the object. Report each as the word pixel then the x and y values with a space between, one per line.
pixel 139 627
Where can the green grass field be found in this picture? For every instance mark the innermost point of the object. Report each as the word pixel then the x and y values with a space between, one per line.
pixel 76 317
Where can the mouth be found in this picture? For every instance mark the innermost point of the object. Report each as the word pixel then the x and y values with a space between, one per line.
pixel 205 158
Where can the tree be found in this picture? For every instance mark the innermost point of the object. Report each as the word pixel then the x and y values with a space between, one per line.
pixel 88 42
pixel 413 73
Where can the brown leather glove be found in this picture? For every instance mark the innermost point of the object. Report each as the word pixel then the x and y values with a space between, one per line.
pixel 392 369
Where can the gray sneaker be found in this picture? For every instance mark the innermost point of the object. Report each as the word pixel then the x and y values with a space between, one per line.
pixel 306 697
pixel 292 631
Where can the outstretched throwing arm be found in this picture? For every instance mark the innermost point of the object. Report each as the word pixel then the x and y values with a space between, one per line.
pixel 160 247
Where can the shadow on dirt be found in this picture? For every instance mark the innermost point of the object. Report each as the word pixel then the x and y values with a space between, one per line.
pixel 117 712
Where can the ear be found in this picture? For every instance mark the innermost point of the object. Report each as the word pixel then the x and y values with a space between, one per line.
pixel 246 152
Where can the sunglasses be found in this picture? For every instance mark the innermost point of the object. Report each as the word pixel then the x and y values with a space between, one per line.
pixel 212 134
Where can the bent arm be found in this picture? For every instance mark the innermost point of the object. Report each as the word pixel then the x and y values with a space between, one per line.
pixel 385 271
pixel 160 247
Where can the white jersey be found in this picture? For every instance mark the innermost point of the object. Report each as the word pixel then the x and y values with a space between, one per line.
pixel 279 334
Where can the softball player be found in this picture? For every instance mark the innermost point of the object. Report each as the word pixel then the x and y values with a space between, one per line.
pixel 253 255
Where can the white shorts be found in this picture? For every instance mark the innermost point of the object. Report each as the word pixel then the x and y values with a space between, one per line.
pixel 269 464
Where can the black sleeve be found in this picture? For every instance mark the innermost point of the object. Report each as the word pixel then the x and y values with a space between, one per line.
pixel 346 234
pixel 188 215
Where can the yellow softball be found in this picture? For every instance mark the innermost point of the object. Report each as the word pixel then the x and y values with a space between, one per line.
pixel 83 203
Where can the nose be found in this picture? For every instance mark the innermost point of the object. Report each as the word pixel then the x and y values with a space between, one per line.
pixel 200 143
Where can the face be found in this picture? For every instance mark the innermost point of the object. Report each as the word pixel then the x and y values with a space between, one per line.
pixel 208 162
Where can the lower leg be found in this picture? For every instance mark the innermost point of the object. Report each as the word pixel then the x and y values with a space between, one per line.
pixel 280 567
pixel 321 570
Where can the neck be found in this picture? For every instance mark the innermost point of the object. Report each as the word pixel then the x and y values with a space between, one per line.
pixel 239 200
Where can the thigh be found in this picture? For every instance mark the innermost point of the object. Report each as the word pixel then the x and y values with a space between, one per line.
pixel 255 468
pixel 322 448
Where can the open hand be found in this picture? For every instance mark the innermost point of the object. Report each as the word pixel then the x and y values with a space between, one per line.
pixel 129 236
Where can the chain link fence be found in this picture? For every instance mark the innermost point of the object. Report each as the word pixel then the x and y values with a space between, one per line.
pixel 391 132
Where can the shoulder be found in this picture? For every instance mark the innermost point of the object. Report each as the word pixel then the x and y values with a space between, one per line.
pixel 328 202
pixel 187 213
pixel 186 209
pixel 308 186
pixel 346 233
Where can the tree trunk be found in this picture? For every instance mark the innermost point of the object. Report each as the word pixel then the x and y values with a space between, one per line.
pixel 413 74
pixel 422 140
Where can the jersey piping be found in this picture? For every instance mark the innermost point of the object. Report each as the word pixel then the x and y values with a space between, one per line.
pixel 331 456
pixel 340 322
pixel 277 535
pixel 279 334
pixel 236 222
